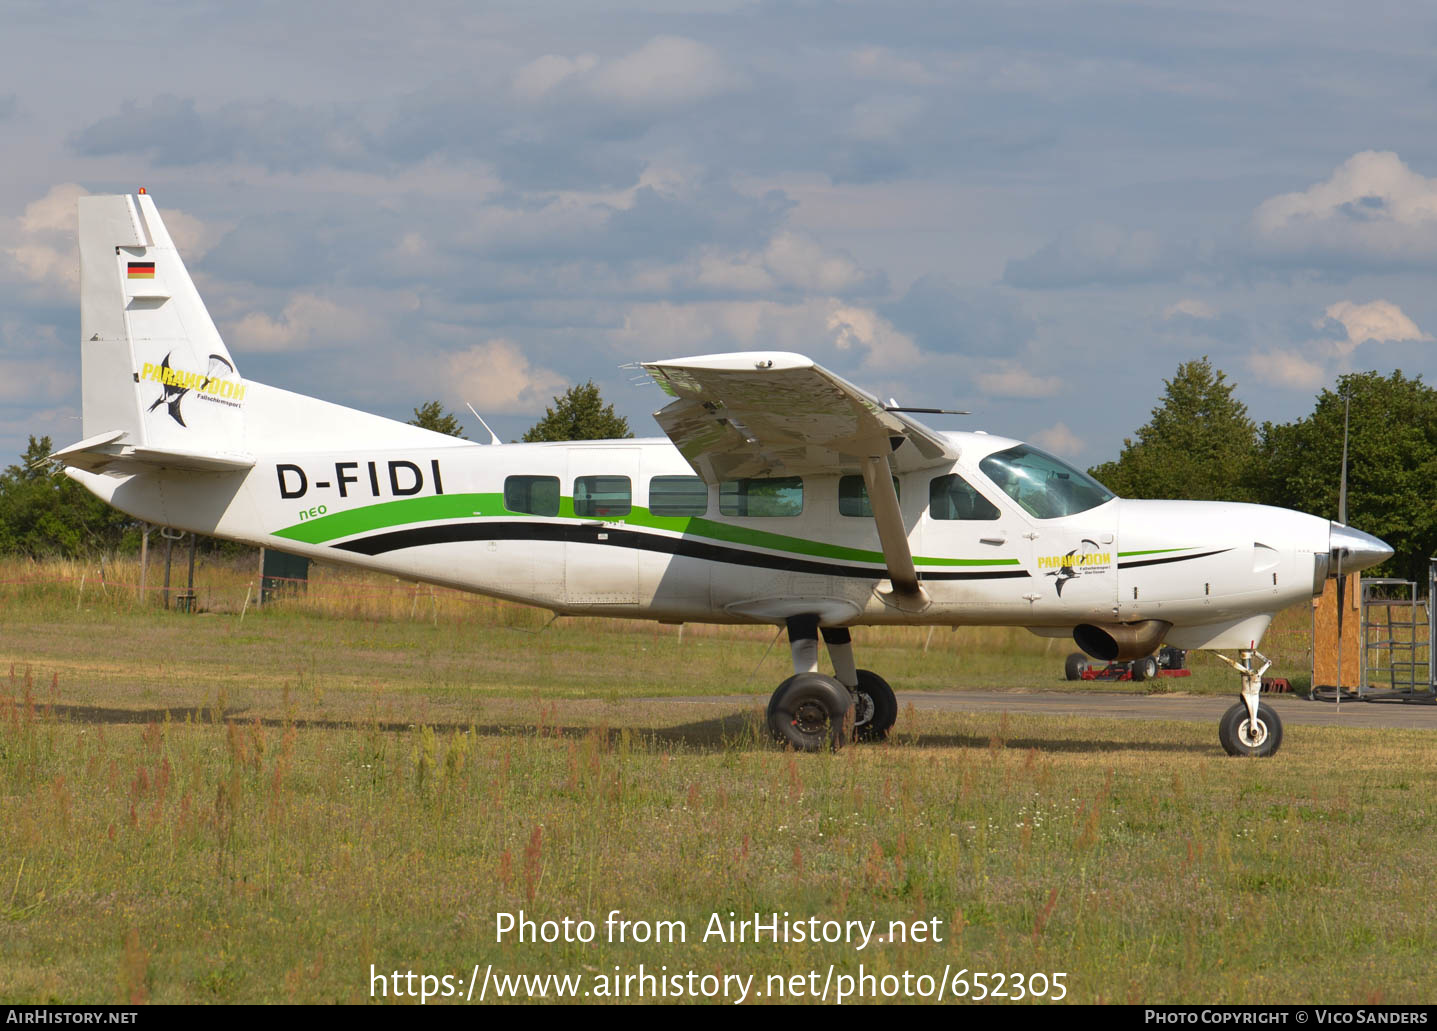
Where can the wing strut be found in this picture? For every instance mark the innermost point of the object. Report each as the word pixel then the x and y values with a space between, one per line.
pixel 878 476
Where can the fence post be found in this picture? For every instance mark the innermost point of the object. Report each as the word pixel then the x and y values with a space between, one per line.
pixel 144 559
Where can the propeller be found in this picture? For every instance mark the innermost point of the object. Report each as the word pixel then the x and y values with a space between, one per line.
pixel 1342 518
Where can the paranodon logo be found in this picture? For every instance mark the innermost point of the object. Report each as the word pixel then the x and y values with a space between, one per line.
pixel 176 384
pixel 1084 560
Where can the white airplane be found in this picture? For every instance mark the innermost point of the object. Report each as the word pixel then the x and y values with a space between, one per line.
pixel 782 495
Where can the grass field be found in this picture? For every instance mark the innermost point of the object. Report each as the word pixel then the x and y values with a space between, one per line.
pixel 356 781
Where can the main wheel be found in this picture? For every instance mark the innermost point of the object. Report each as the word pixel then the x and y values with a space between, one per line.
pixel 1239 736
pixel 807 711
pixel 1145 668
pixel 1076 666
pixel 875 710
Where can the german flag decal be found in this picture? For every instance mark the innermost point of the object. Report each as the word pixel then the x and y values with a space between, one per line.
pixel 142 269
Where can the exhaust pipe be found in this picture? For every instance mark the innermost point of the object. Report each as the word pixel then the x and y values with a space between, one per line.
pixel 1119 642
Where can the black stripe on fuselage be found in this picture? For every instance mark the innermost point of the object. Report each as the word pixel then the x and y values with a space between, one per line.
pixel 1165 561
pixel 686 547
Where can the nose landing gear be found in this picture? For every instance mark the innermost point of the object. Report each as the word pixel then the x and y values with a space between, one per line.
pixel 1251 727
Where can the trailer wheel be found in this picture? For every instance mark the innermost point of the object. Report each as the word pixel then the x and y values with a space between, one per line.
pixel 1076 666
pixel 1145 668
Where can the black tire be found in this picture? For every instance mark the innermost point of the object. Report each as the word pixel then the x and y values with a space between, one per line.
pixel 807 712
pixel 1237 737
pixel 1145 668
pixel 1076 666
pixel 878 698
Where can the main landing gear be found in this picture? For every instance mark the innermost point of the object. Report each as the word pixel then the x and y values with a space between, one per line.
pixel 1250 727
pixel 811 711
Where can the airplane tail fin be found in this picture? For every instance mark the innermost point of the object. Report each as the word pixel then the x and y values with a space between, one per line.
pixel 157 380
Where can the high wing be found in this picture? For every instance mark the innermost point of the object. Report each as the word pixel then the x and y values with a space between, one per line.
pixel 772 413
pixel 767 413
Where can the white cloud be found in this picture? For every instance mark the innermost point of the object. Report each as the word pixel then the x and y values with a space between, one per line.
pixel 883 119
pixel 1009 379
pixel 862 327
pixel 541 75
pixel 827 329
pixel 193 237
pixel 1373 208
pixel 798 261
pixel 308 321
pixel 44 250
pixel 1287 368
pixel 496 376
pixel 1060 440
pixel 667 71
pixel 1381 321
pixel 1191 308
pixel 883 63
pixel 1096 252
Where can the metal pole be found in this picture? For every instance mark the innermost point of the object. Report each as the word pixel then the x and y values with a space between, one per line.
pixel 190 588
pixel 144 558
pixel 169 551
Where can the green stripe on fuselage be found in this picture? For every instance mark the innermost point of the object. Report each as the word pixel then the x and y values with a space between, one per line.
pixel 388 515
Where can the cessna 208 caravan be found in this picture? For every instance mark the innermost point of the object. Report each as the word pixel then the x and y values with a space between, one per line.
pixel 782 495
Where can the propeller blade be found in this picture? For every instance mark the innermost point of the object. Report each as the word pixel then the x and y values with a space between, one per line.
pixel 1342 488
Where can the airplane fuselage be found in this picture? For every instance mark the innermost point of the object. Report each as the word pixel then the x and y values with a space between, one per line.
pixel 624 528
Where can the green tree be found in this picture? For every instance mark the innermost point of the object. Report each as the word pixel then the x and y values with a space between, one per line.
pixel 44 512
pixel 1198 445
pixel 432 416
pixel 1392 464
pixel 579 415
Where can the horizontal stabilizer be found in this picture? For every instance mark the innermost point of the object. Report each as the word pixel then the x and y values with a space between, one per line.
pixel 107 451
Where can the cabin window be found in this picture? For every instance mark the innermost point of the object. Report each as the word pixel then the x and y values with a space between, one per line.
pixel 952 497
pixel 770 497
pixel 853 496
pixel 678 496
pixel 1046 487
pixel 602 497
pixel 532 495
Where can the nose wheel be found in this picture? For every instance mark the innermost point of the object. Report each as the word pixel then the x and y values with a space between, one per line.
pixel 1241 734
pixel 1251 727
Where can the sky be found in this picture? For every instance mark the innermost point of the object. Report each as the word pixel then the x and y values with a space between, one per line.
pixel 1033 210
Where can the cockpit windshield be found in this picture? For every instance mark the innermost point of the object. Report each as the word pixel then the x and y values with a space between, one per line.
pixel 1044 486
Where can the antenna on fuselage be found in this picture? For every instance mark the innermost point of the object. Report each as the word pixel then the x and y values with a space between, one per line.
pixel 493 437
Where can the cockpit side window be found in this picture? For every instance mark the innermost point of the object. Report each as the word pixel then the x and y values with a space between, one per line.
pixel 952 497
pixel 1045 487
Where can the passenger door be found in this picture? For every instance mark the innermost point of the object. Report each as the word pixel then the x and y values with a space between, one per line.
pixel 601 566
